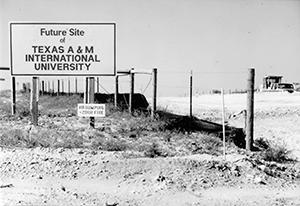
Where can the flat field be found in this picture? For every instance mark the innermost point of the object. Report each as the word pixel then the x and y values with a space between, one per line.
pixel 276 114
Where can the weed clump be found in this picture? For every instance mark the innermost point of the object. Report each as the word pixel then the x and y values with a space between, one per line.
pixel 273 151
pixel 114 144
pixel 154 150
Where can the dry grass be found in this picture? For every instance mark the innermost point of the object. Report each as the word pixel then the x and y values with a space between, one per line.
pixel 137 132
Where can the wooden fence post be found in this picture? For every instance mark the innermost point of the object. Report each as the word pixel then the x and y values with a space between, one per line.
pixel 117 91
pixel 153 110
pixel 85 96
pixel 191 100
pixel 46 86
pixel 43 87
pixel 13 96
pixel 53 87
pixel 223 124
pixel 98 84
pixel 131 91
pixel 250 110
pixel 76 85
pixel 69 87
pixel 58 87
pixel 34 102
pixel 191 94
pixel 62 86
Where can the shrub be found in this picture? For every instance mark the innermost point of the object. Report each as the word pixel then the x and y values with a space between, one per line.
pixel 262 143
pixel 112 144
pixel 273 151
pixel 277 153
pixel 154 150
pixel 206 144
pixel 60 102
pixel 215 91
pixel 12 137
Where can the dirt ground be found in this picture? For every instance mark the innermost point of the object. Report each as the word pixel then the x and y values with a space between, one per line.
pixel 44 176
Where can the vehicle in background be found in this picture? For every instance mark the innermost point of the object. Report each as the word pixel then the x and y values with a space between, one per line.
pixel 274 84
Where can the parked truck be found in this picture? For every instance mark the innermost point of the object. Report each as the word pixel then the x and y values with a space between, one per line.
pixel 275 84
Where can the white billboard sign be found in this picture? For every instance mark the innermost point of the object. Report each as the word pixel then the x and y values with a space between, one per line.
pixel 63 49
pixel 91 110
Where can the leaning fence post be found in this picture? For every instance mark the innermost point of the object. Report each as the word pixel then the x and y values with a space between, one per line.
pixel 250 108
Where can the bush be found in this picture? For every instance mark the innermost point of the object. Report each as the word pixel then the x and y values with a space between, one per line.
pixel 40 137
pixel 206 144
pixel 60 102
pixel 155 150
pixel 262 143
pixel 277 153
pixel 110 144
pixel 273 151
pixel 215 91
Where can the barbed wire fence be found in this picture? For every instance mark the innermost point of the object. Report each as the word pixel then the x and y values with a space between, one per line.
pixel 201 85
pixel 185 82
pixel 214 85
pixel 170 83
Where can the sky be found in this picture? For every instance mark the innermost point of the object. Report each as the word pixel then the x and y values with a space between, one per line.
pixel 219 40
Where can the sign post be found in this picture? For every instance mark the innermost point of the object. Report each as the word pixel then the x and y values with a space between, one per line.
pixel 91 98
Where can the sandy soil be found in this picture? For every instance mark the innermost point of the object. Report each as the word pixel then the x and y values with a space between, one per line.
pixel 92 177
pixel 84 177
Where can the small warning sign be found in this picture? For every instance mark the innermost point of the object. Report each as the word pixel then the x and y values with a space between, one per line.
pixel 91 110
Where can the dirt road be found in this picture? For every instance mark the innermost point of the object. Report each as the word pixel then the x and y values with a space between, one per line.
pixel 84 177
